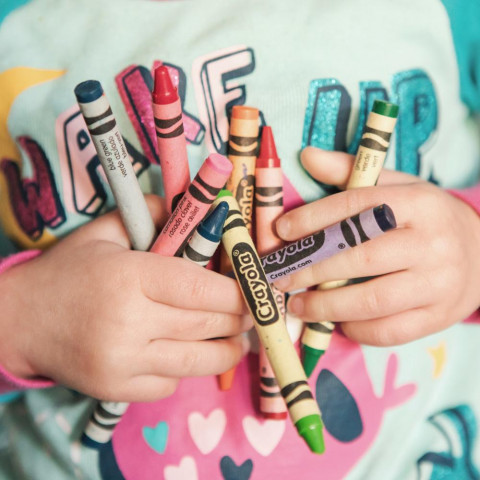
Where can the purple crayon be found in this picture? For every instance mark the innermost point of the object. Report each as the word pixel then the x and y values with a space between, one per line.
pixel 321 245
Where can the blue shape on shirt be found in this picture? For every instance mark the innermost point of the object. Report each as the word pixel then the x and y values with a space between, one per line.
pixel 8 6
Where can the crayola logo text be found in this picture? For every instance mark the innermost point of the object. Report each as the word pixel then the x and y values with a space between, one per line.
pixel 254 285
pixel 294 252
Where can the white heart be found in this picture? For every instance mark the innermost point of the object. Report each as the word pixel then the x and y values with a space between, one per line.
pixel 294 327
pixel 186 470
pixel 263 437
pixel 207 432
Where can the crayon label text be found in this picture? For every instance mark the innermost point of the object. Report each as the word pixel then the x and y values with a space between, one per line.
pixel 251 277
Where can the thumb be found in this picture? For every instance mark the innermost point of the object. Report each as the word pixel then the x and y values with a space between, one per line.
pixel 334 168
pixel 109 227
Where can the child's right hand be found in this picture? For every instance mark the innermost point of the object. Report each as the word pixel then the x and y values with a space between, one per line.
pixel 116 324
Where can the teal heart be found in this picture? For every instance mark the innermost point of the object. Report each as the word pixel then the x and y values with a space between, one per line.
pixel 156 437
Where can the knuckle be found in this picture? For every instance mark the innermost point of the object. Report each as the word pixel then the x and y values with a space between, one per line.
pixel 372 302
pixel 193 361
pixel 198 287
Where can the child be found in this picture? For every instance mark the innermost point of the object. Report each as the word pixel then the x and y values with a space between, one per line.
pixel 88 315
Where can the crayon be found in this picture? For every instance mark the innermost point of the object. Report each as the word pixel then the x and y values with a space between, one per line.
pixel 268 208
pixel 207 237
pixel 373 145
pixel 343 235
pixel 225 379
pixel 193 206
pixel 113 156
pixel 242 151
pixel 272 331
pixel 133 209
pixel 100 427
pixel 172 144
pixel 366 170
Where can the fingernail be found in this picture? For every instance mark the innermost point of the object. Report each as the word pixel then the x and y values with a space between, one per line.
pixel 296 305
pixel 283 283
pixel 245 345
pixel 283 227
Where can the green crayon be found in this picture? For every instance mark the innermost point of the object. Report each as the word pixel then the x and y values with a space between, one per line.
pixel 271 329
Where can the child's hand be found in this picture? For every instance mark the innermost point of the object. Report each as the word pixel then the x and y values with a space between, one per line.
pixel 116 324
pixel 427 270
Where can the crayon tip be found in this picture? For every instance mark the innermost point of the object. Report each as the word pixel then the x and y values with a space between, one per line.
pixel 88 91
pixel 385 217
pixel 225 379
pixel 220 163
pixel 385 108
pixel 212 227
pixel 224 193
pixel 311 356
pixel 245 113
pixel 267 157
pixel 311 429
pixel 275 415
pixel 164 92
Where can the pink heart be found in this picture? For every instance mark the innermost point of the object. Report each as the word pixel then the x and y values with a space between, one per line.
pixel 263 437
pixel 207 432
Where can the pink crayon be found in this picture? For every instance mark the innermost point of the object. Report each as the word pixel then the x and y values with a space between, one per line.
pixel 193 206
pixel 172 145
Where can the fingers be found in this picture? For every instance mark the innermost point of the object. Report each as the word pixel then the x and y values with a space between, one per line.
pixel 315 216
pixel 188 325
pixel 396 251
pixel 395 329
pixel 110 227
pixel 334 168
pixel 182 284
pixel 376 298
pixel 172 358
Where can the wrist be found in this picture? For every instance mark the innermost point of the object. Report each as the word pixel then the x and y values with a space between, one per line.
pixel 16 313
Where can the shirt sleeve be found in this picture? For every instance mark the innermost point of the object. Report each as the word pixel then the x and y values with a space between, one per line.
pixel 472 197
pixel 9 382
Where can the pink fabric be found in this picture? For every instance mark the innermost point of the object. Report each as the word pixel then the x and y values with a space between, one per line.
pixel 469 195
pixel 9 382
pixel 472 197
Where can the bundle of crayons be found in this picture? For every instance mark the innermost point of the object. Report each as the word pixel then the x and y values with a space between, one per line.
pixel 195 228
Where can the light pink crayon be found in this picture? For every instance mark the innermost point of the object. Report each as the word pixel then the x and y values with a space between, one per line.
pixel 172 145
pixel 193 206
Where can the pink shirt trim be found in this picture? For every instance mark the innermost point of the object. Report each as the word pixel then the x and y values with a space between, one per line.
pixel 9 382
pixel 472 197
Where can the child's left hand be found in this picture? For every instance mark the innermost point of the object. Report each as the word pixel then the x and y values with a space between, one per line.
pixel 427 270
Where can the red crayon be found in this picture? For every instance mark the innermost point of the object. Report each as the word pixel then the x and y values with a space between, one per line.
pixel 172 145
pixel 268 207
pixel 193 206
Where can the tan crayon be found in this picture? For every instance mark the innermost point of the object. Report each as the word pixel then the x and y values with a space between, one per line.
pixel 242 151
pixel 366 170
pixel 271 329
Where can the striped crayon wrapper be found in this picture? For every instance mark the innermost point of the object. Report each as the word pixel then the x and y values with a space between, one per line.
pixel 113 156
pixel 373 145
pixel 172 144
pixel 242 151
pixel 366 170
pixel 272 331
pixel 99 429
pixel 193 206
pixel 348 233
pixel 112 153
pixel 268 208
